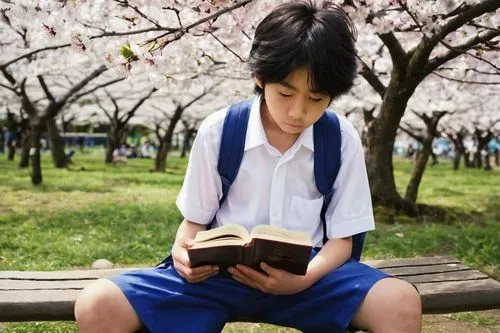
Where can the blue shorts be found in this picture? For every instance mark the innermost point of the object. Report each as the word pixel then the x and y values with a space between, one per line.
pixel 166 302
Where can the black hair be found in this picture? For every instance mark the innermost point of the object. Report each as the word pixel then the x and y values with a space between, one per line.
pixel 300 33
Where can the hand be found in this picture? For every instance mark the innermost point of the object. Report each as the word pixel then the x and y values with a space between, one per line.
pixel 276 282
pixel 182 264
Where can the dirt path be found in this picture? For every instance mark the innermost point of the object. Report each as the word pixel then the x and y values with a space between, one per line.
pixel 465 322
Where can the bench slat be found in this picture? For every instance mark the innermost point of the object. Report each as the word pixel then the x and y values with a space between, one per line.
pixel 90 274
pixel 447 276
pixel 418 261
pixel 419 270
pixel 7 284
pixel 446 285
pixel 94 274
pixel 456 296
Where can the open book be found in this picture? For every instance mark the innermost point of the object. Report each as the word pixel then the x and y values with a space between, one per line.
pixel 231 244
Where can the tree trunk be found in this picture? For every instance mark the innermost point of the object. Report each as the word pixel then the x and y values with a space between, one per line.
pixel 25 152
pixel 2 141
pixel 418 170
pixel 12 150
pixel 456 161
pixel 467 159
pixel 497 157
pixel 478 163
pixel 161 157
pixel 487 162
pixel 185 143
pixel 56 144
pixel 113 142
pixel 36 169
pixel 109 152
pixel 380 137
pixel 166 142
pixel 434 158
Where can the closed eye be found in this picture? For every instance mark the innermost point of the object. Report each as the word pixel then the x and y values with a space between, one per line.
pixel 285 95
pixel 316 99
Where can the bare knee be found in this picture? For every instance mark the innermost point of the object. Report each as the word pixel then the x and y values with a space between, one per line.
pixel 406 306
pixel 391 305
pixel 102 307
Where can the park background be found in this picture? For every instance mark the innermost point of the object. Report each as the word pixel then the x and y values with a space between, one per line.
pixel 100 101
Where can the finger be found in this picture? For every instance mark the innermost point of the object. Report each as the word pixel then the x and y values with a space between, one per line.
pixel 271 271
pixel 245 281
pixel 182 256
pixel 181 269
pixel 241 277
pixel 235 272
pixel 203 277
pixel 202 269
pixel 188 243
pixel 258 277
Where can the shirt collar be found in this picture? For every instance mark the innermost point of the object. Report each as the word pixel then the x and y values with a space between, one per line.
pixel 256 135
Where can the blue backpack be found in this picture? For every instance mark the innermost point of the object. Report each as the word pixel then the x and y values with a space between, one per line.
pixel 327 143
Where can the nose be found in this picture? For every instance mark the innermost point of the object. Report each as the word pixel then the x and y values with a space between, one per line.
pixel 297 111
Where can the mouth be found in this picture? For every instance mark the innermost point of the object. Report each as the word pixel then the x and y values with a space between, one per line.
pixel 294 126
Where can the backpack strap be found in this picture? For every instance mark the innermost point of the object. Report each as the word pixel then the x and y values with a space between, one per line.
pixel 232 145
pixel 327 160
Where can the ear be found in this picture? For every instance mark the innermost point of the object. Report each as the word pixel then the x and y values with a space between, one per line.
pixel 259 82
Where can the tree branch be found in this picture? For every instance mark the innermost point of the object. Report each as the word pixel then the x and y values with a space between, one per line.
pixel 419 138
pixel 372 79
pixel 29 54
pixel 9 88
pixel 180 31
pixel 138 11
pixel 398 54
pixel 46 89
pixel 103 109
pixel 228 48
pixel 420 58
pixel 115 104
pixel 176 11
pixel 464 17
pixel 465 81
pixel 78 96
pixel 183 30
pixel 437 61
pixel 126 117
pixel 82 83
pixel 8 76
pixel 26 103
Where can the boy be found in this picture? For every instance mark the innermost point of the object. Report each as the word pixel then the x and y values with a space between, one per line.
pixel 302 58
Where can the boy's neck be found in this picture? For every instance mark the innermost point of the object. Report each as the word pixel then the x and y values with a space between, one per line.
pixel 276 137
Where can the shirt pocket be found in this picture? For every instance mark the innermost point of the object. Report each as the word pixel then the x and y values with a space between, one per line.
pixel 304 214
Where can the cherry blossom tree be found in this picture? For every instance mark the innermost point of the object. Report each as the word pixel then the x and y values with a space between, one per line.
pixel 402 45
pixel 416 40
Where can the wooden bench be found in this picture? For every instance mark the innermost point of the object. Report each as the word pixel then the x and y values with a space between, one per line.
pixel 446 285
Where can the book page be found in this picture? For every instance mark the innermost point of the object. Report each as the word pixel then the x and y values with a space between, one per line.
pixel 272 232
pixel 228 231
pixel 219 242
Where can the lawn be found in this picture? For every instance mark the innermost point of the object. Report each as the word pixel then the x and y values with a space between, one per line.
pixel 127 215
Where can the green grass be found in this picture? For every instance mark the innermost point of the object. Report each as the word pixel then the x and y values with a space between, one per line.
pixel 127 214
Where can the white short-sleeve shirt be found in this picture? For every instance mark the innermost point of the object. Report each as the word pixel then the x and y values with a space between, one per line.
pixel 274 188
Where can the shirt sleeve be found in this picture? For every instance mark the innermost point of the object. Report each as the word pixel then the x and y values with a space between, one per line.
pixel 350 211
pixel 198 199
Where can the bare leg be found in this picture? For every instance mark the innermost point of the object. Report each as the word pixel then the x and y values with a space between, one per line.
pixel 103 308
pixel 391 306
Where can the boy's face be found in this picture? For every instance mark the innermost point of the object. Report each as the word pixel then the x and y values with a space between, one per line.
pixel 292 104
